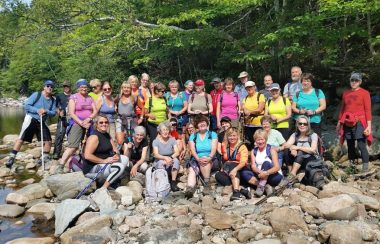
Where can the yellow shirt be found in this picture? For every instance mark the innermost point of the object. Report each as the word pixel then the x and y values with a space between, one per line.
pixel 158 109
pixel 94 96
pixel 278 109
pixel 250 103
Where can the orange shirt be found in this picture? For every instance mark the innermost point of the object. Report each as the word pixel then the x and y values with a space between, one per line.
pixel 241 155
pixel 142 97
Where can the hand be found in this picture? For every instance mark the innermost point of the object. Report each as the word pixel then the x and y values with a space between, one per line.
pixel 294 153
pixel 273 117
pixel 41 111
pixel 338 126
pixel 61 113
pixel 116 157
pixel 197 112
pixel 140 120
pixel 85 124
pixel 109 160
pixel 168 160
pixel 134 170
pixel 367 131
pixel 152 116
pixel 263 174
pixel 129 145
pixel 218 125
pixel 246 112
pixel 294 147
pixel 309 112
pixel 302 111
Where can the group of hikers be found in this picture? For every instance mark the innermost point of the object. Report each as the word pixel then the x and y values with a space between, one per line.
pixel 243 136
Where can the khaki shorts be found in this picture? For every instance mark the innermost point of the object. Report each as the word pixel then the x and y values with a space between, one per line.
pixel 75 136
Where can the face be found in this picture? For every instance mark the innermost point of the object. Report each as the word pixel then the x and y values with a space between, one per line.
pixel 306 84
pixel 96 88
pixel 144 81
pixel 226 125
pixel 260 142
pixel 202 126
pixel 296 74
pixel 190 129
pixel 83 90
pixel 199 89
pixel 133 83
pixel 217 85
pixel 102 124
pixel 244 79
pixel 139 137
pixel 107 90
pixel 275 93
pixel 233 138
pixel 268 81
pixel 160 93
pixel 49 89
pixel 251 90
pixel 173 88
pixel 229 87
pixel 164 132
pixel 266 125
pixel 302 125
pixel 173 126
pixel 151 86
pixel 126 89
pixel 190 87
pixel 66 89
pixel 355 84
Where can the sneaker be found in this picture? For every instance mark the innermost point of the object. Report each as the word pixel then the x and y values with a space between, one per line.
pixel 268 190
pixel 285 181
pixel 235 195
pixel 46 159
pixel 189 192
pixel 173 186
pixel 246 193
pixel 259 191
pixel 60 169
pixel 10 161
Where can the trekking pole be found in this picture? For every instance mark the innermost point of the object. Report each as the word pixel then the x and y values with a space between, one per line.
pixel 92 181
pixel 42 144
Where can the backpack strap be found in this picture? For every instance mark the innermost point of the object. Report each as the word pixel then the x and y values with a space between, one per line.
pixel 37 98
pixel 192 97
pixel 150 104
pixel 284 100
pixel 297 94
pixel 267 151
pixel 234 153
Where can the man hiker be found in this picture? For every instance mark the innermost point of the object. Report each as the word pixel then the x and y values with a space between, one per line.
pixel 62 101
pixel 37 105
pixel 268 81
pixel 240 88
pixel 293 86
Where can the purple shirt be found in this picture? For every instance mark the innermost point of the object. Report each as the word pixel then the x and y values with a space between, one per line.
pixel 229 104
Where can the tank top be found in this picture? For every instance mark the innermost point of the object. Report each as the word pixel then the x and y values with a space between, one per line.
pixel 261 157
pixel 109 111
pixel 126 109
pixel 103 150
pixel 83 105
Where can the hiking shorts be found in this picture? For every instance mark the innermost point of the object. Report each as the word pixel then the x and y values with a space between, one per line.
pixel 75 136
pixel 159 164
pixel 273 179
pixel 31 127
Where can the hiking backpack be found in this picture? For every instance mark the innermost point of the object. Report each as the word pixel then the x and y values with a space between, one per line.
pixel 157 184
pixel 315 173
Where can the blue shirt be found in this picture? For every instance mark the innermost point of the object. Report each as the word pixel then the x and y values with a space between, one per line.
pixel 309 101
pixel 43 102
pixel 175 103
pixel 240 89
pixel 203 147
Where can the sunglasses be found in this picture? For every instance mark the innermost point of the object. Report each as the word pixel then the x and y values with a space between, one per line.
pixel 302 124
pixel 106 89
pixel 354 81
pixel 103 122
pixel 94 87
pixel 161 90
pixel 50 86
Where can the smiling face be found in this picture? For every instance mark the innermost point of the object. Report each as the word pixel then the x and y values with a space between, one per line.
pixel 268 81
pixel 83 90
pixel 190 87
pixel 355 84
pixel 173 88
pixel 49 89
pixel 126 89
pixel 165 132
pixel 107 90
pixel 199 89
pixel 202 126
pixel 233 138
pixel 306 84
pixel 275 93
pixel 260 142
pixel 217 85
pixel 190 129
pixel 302 125
pixel 102 124
pixel 226 125
pixel 139 137
pixel 229 87
pixel 296 73
pixel 251 90
pixel 266 125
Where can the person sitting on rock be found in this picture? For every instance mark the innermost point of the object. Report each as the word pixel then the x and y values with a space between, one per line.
pixel 203 149
pixel 101 151
pixel 188 130
pixel 226 124
pixel 137 151
pixel 165 153
pixel 265 171
pixel 235 158
pixel 275 138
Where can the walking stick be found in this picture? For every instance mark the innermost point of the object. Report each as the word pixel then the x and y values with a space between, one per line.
pixel 42 144
pixel 92 181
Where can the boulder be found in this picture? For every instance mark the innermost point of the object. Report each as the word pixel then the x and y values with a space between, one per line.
pixel 11 211
pixel 86 216
pixel 267 241
pixel 15 198
pixel 168 236
pixel 66 186
pixel 10 139
pixel 46 209
pixel 32 191
pixel 4 172
pixel 134 221
pixel 367 231
pixel 244 235
pixel 284 219
pixel 370 203
pixel 220 220
pixel 103 200
pixel 336 188
pixel 98 227
pixel 340 233
pixel 30 240
pixel 133 190
pixel 179 210
pixel 66 212
pixel 35 152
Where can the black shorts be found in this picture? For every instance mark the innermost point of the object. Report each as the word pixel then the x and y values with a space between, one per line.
pixel 31 127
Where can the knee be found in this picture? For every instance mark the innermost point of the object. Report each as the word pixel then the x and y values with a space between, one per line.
pixel 266 165
pixel 222 178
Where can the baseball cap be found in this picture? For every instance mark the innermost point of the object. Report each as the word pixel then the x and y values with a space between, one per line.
pixel 216 79
pixel 188 82
pixel 48 83
pixel 274 86
pixel 199 82
pixel 225 119
pixel 249 83
pixel 356 76
pixel 66 83
pixel 243 74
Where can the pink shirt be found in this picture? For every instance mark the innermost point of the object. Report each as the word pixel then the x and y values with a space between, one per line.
pixel 83 105
pixel 229 104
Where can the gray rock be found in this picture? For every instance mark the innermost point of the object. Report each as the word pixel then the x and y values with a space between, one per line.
pixel 11 211
pixel 118 215
pixel 46 209
pixel 284 219
pixel 220 220
pixel 134 221
pixel 123 228
pixel 66 186
pixel 367 231
pixel 370 203
pixel 244 235
pixel 340 233
pixel 170 236
pixel 133 190
pixel 267 241
pixel 86 216
pixel 35 152
pixel 5 172
pixel 66 212
pixel 336 188
pixel 10 139
pixel 103 200
pixel 33 191
pixel 15 198
pixel 29 240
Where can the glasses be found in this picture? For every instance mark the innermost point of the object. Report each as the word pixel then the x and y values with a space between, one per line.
pixel 106 89
pixel 302 124
pixel 94 87
pixel 50 86
pixel 161 91
pixel 103 122
pixel 354 81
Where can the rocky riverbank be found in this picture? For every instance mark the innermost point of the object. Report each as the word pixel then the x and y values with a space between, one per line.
pixel 11 102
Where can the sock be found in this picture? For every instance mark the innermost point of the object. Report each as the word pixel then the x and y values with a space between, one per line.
pixel 14 152
pixel 262 182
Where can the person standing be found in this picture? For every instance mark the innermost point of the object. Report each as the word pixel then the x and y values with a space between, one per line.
pixel 189 86
pixel 200 102
pixel 268 81
pixel 177 104
pixel 40 105
pixel 62 100
pixel 96 89
pixel 228 104
pixel 355 120
pixel 106 105
pixel 218 89
pixel 294 86
pixel 240 88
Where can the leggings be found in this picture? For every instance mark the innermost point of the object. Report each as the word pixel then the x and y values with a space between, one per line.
pixel 362 147
pixel 113 171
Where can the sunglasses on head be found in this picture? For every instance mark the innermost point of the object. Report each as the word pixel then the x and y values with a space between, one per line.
pixel 103 122
pixel 302 124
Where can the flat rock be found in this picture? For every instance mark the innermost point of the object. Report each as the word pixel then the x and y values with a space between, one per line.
pixel 11 210
pixel 370 203
pixel 46 209
pixel 15 198
pixel 284 219
pixel 220 220
pixel 4 172
pixel 30 165
pixel 66 186
pixel 133 189
pixel 341 207
pixel 367 231
pixel 10 139
pixel 86 216
pixel 35 152
pixel 340 233
pixel 103 200
pixel 267 241
pixel 28 181
pixel 134 221
pixel 335 188
pixel 66 212
pixel 29 240
pixel 245 234
pixel 33 191
pixel 169 236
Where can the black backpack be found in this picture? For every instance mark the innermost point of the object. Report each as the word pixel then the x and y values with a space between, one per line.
pixel 315 173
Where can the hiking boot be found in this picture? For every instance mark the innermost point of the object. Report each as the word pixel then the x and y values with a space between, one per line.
pixel 174 187
pixel 60 169
pixel 46 160
pixel 285 181
pixel 189 192
pixel 56 156
pixel 10 161
pixel 246 193
pixel 235 195
pixel 259 191
pixel 268 190
pixel 365 168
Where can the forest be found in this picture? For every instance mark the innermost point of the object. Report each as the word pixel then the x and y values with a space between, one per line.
pixel 185 39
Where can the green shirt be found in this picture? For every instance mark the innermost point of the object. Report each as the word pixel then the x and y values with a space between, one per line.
pixel 158 109
pixel 275 138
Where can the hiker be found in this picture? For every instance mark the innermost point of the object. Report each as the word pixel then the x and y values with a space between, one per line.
pixel 177 104
pixel 218 89
pixel 225 124
pixel 268 81
pixel 265 171
pixel 200 102
pixel 126 118
pixel 228 104
pixel 203 145
pixel 101 151
pixel 275 138
pixel 310 102
pixel 137 151
pixel 165 153
pixel 189 86
pixel 106 105
pixel 138 98
pixel 82 110
pixel 241 88
pixel 96 89
pixel 355 120
pixel 294 85
pixel 39 104
pixel 302 146
pixel 186 153
pixel 253 109
pixel 62 99
pixel 155 110
pixel 279 109
pixel 235 158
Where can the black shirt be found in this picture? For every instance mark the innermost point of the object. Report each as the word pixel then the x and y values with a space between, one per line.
pixel 62 101
pixel 137 151
pixel 103 150
pixel 221 136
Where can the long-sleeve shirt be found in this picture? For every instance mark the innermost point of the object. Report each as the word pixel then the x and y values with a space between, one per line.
pixel 46 103
pixel 356 101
